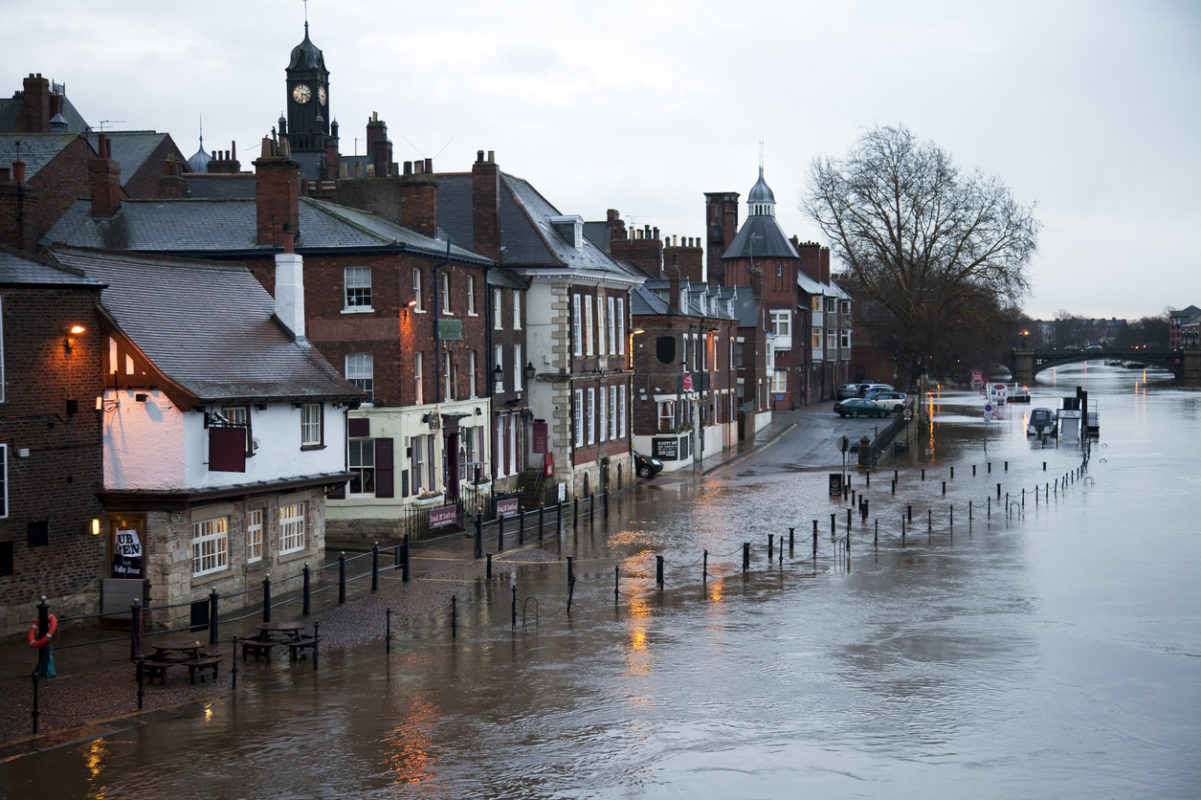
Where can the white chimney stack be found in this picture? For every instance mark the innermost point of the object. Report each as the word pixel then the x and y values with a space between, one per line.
pixel 289 293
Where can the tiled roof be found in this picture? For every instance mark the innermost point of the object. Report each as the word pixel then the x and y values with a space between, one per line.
pixel 208 327
pixel 760 237
pixel 35 149
pixel 218 186
pixel 198 226
pixel 18 268
pixel 130 148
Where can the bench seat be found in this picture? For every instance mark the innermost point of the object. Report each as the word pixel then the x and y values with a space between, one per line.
pixel 299 648
pixel 256 648
pixel 203 665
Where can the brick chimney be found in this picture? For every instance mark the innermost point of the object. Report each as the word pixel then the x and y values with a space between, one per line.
pixel 640 247
pixel 721 225
pixel 225 161
pixel 378 146
pixel 485 205
pixel 689 257
pixel 419 197
pixel 105 174
pixel 18 205
pixel 277 194
pixel 34 114
pixel 171 184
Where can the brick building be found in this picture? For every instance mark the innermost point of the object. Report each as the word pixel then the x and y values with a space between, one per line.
pixel 50 446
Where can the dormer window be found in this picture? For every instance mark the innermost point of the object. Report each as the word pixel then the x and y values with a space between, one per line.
pixel 569 228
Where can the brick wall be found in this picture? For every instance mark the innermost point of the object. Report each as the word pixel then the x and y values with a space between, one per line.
pixel 57 480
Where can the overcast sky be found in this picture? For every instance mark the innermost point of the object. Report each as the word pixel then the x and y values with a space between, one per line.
pixel 1091 110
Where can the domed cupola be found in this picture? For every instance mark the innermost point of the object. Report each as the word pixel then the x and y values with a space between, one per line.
pixel 307 55
pixel 199 162
pixel 761 201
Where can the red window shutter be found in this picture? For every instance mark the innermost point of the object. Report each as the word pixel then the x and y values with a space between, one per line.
pixel 227 449
pixel 384 470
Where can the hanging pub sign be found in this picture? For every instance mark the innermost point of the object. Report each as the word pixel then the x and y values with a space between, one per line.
pixel 127 555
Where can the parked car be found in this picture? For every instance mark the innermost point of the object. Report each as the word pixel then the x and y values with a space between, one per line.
pixel 890 400
pixel 647 466
pixel 850 390
pixel 860 407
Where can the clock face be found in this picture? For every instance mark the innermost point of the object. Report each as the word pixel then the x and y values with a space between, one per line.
pixel 302 93
pixel 321 95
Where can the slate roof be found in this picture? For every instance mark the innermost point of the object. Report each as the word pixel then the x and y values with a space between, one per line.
pixel 220 186
pixel 209 327
pixel 35 149
pixel 227 227
pixel 131 149
pixel 19 268
pixel 528 241
pixel 11 107
pixel 760 237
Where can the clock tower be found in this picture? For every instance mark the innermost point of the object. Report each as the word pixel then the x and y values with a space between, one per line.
pixel 308 119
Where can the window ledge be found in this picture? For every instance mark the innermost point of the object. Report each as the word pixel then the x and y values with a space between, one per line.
pixel 358 310
pixel 312 447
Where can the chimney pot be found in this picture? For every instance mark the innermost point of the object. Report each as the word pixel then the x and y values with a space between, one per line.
pixel 479 155
pixel 429 166
pixel 491 157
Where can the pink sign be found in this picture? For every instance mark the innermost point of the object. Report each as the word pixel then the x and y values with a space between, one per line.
pixel 443 515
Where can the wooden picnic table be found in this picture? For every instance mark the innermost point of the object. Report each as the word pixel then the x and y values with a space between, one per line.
pixel 175 652
pixel 276 634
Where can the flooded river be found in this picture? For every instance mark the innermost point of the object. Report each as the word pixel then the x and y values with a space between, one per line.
pixel 1037 645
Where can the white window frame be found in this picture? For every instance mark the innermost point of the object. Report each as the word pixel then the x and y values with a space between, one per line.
pixel 779 382
pixel 210 546
pixel 498 308
pixel 356 289
pixel 420 308
pixel 612 301
pixel 578 416
pixel 577 326
pixel 666 416
pixel 602 426
pixel 781 327
pixel 291 528
pixel 417 463
pixel 844 339
pixel 613 433
pixel 471 296
pixel 601 349
pixel 312 424
pixel 446 293
pixel 622 430
pixel 591 422
pixel 471 373
pixel 360 370
pixel 448 372
pixel 499 386
pixel 589 345
pixel 364 463
pixel 621 325
pixel 517 368
pixel 419 393
pixel 254 535
pixel 516 310
pixel 831 340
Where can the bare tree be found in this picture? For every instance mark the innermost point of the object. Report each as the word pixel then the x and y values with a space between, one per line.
pixel 922 240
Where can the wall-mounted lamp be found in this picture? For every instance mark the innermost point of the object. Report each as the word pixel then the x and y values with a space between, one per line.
pixel 72 330
pixel 498 374
pixel 95 527
pixel 530 372
pixel 104 405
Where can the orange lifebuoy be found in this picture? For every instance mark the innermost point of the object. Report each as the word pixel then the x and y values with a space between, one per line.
pixel 51 627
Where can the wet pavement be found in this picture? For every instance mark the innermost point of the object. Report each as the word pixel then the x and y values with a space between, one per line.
pixel 94 691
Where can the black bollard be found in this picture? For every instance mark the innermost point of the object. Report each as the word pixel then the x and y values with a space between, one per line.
pixel 488 569
pixel 998 491
pixel 575 513
pixel 989 467
pixel 616 583
pixel 387 630
pixel 848 519
pixel 479 536
pixel 791 541
pixel 746 556
pixel 952 473
pixel 375 567
pixel 659 571
pixel 213 617
pixel 233 672
pixel 342 577
pixel 521 527
pixel 929 519
pixel 454 616
pixel 909 512
pixel 541 510
pixel 513 607
pixel 876 537
pixel 316 642
pixel 833 524
pixel 771 550
pixel 570 571
pixel 923 473
pixel 135 629
pixel 308 588
pixel 267 597
pixel 815 544
pixel 894 486
pixel 944 488
pixel 1044 466
pixel 705 567
pixel 973 470
pixel 406 562
pixel 558 517
pixel 500 533
pixel 1007 466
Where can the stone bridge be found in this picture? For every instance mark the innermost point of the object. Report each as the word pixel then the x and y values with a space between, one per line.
pixel 1184 364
